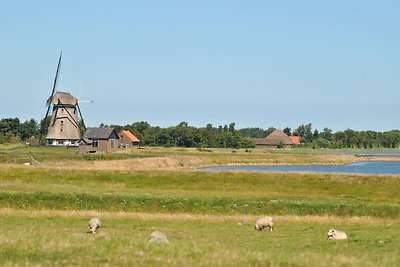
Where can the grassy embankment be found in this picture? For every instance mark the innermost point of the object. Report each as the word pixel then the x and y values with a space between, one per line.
pixel 200 192
pixel 44 211
pixel 172 158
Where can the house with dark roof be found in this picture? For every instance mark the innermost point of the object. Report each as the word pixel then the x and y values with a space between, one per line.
pixel 275 139
pixel 99 140
pixel 128 139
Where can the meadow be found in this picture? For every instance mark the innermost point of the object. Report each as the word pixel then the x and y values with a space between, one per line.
pixel 208 217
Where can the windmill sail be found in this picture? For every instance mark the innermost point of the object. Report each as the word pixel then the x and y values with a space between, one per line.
pixel 48 102
pixel 55 81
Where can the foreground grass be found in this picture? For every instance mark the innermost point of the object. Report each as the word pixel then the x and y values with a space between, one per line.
pixel 50 240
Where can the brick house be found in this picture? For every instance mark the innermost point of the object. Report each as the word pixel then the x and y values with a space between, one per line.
pixel 128 139
pixel 99 140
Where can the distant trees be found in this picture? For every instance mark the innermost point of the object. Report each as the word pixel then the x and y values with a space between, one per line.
pixel 305 133
pixel 222 136
pixel 287 131
pixel 13 131
pixel 366 139
pixel 28 129
pixel 253 132
pixel 184 135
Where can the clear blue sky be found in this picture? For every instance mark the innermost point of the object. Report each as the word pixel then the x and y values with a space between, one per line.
pixel 334 64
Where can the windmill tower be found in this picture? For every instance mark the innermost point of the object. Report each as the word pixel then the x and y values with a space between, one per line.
pixel 64 128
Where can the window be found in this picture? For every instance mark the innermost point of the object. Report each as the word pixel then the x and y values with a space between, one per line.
pixel 95 143
pixel 112 143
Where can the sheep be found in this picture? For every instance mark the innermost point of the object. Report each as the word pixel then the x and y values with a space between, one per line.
pixel 264 222
pixel 336 235
pixel 94 224
pixel 158 237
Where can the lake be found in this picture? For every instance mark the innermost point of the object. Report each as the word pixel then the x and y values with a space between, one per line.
pixel 379 167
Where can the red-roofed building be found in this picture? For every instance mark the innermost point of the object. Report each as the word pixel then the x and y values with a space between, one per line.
pixel 295 139
pixel 128 139
pixel 276 139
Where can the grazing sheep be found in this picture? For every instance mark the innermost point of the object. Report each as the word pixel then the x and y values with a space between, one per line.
pixel 264 222
pixel 336 235
pixel 94 224
pixel 158 237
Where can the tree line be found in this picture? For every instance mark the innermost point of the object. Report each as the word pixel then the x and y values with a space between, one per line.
pixel 12 130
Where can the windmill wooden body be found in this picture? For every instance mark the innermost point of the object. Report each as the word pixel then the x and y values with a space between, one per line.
pixel 66 121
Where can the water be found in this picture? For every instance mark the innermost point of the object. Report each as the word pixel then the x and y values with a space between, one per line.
pixel 380 167
pixel 367 152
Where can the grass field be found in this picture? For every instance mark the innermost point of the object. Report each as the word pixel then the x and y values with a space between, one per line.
pixel 60 239
pixel 44 211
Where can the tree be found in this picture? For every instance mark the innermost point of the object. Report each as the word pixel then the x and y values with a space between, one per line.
pixel 232 127
pixel 183 124
pixel 9 125
pixel 28 129
pixel 326 134
pixel 316 134
pixel 9 128
pixel 304 131
pixel 287 131
pixel 269 130
pixel 252 132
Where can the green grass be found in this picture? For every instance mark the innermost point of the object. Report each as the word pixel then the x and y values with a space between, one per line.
pixel 201 192
pixel 51 241
pixel 196 205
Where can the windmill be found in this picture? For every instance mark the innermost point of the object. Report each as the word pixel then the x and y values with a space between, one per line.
pixel 64 128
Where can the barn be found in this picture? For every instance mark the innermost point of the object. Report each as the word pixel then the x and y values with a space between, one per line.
pixel 99 140
pixel 128 139
pixel 276 139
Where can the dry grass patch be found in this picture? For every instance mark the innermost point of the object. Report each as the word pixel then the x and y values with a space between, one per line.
pixel 357 220
pixel 187 159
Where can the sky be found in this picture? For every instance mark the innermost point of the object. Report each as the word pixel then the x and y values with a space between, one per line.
pixel 264 63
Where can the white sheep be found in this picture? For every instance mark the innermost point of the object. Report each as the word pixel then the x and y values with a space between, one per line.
pixel 264 222
pixel 336 235
pixel 94 224
pixel 158 237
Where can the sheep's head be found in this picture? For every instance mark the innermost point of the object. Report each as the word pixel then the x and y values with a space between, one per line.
pixel 93 229
pixel 331 234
